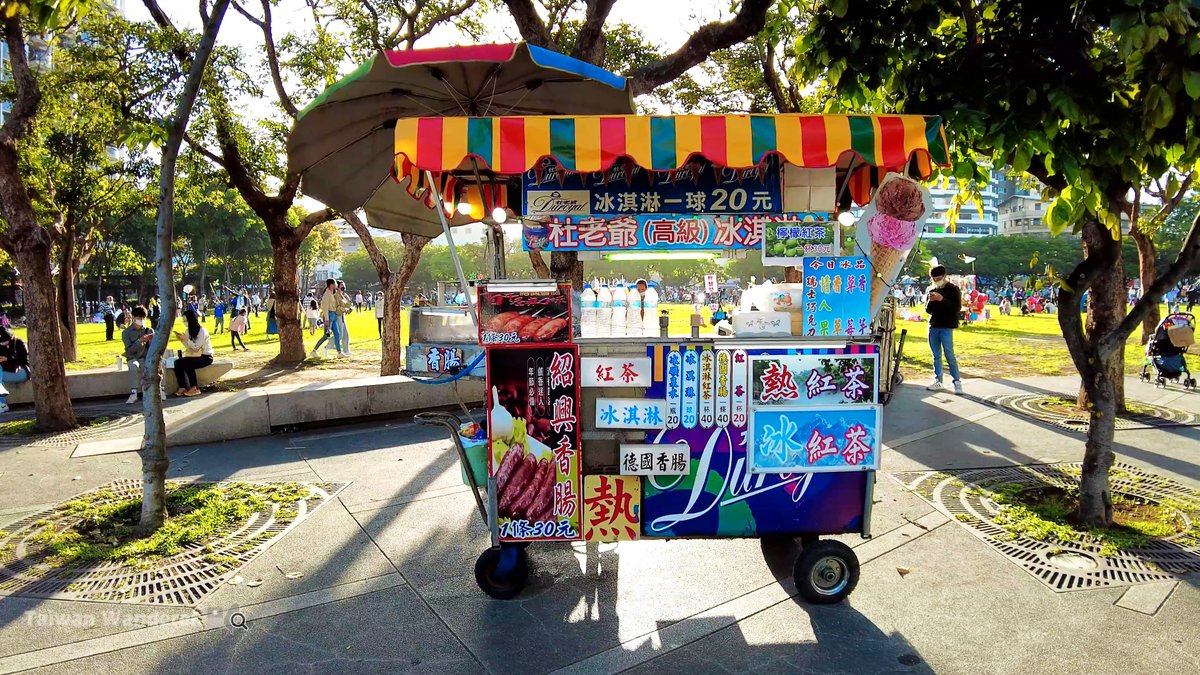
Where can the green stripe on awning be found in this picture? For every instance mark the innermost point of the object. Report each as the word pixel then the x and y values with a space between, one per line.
pixel 662 142
pixel 562 142
pixel 862 137
pixel 479 138
pixel 762 136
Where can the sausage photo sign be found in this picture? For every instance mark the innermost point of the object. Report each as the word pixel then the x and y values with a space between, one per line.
pixel 525 313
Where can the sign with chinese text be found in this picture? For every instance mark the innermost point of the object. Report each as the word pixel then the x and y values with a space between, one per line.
pixel 785 439
pixel 645 459
pixel 533 441
pixel 786 241
pixel 707 386
pixel 524 313
pixel 813 379
pixel 739 413
pixel 625 188
pixel 630 413
pixel 673 387
pixel 611 508
pixel 433 358
pixel 837 296
pixel 643 232
pixel 710 283
pixel 615 372
pixel 690 397
pixel 721 384
pixel 719 498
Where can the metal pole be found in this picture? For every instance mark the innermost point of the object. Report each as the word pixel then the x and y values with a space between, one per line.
pixel 462 278
pixel 495 234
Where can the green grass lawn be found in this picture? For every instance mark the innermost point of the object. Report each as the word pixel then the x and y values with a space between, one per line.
pixel 1006 346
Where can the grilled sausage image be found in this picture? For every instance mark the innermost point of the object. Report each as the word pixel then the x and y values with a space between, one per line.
pixel 543 501
pixel 549 330
pixel 531 490
pixel 527 331
pixel 515 324
pixel 517 485
pixel 499 320
pixel 512 459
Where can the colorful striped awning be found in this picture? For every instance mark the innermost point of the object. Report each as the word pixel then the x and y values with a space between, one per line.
pixel 512 145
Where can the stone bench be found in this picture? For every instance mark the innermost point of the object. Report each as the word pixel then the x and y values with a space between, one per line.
pixel 110 382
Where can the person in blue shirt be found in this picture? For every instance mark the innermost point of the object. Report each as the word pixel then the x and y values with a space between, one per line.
pixel 218 315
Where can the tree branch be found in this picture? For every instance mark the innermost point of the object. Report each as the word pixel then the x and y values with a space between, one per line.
pixel 972 21
pixel 28 97
pixel 205 152
pixel 272 56
pixel 314 219
pixel 382 268
pixel 771 78
pixel 589 44
pixel 529 24
pixel 1189 253
pixel 750 19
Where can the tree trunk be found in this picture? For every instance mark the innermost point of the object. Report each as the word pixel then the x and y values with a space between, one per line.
pixel 565 266
pixel 154 442
pixel 1148 272
pixel 285 248
pixel 540 269
pixel 393 294
pixel 1105 309
pixel 67 312
pixel 51 400
pixel 1095 501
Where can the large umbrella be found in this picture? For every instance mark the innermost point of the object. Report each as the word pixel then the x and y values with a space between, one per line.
pixel 343 141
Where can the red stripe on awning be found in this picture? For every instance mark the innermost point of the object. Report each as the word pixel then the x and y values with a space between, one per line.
pixel 891 140
pixel 612 139
pixel 712 140
pixel 512 144
pixel 812 140
pixel 429 141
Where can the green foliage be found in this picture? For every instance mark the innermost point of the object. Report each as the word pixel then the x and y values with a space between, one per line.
pixel 357 269
pixel 323 245
pixel 1006 256
pixel 105 529
pixel 1100 96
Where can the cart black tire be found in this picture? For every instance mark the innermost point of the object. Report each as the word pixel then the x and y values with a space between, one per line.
pixel 826 572
pixel 500 587
pixel 897 379
pixel 807 540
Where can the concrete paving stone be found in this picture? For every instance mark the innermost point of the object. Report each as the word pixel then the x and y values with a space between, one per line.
pixel 966 609
pixel 28 624
pixel 328 548
pixel 390 631
pixel 389 463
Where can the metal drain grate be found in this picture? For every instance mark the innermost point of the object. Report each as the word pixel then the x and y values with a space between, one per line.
pixel 1036 407
pixel 1066 567
pixel 76 436
pixel 182 579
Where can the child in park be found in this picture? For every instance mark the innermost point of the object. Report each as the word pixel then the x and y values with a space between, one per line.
pixel 236 328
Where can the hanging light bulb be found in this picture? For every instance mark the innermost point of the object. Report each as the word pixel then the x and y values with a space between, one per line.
pixel 464 208
pixel 846 218
pixel 499 215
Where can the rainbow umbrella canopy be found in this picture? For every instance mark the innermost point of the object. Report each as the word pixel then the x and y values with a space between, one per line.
pixel 343 142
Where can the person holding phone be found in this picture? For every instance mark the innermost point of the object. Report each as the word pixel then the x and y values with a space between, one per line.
pixel 943 306
pixel 197 353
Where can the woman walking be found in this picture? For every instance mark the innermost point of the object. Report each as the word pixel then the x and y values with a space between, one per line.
pixel 198 353
pixel 379 313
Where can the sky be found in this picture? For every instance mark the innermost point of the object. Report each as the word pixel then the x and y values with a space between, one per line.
pixel 665 23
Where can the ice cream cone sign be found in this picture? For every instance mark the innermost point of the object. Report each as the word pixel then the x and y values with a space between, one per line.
pixel 888 229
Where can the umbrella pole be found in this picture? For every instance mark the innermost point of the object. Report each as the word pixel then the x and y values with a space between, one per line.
pixel 462 278
pixel 495 234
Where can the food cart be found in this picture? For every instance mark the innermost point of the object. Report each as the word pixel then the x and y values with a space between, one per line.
pixel 638 434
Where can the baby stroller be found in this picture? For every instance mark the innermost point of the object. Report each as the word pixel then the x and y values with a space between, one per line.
pixel 1164 352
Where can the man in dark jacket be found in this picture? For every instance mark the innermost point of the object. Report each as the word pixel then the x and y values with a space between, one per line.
pixel 943 305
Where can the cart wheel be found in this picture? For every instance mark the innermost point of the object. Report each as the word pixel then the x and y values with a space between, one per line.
pixel 826 572
pixel 885 397
pixel 502 572
pixel 897 379
pixel 807 540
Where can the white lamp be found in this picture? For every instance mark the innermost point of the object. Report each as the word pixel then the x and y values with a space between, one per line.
pixel 499 215
pixel 464 208
pixel 846 218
